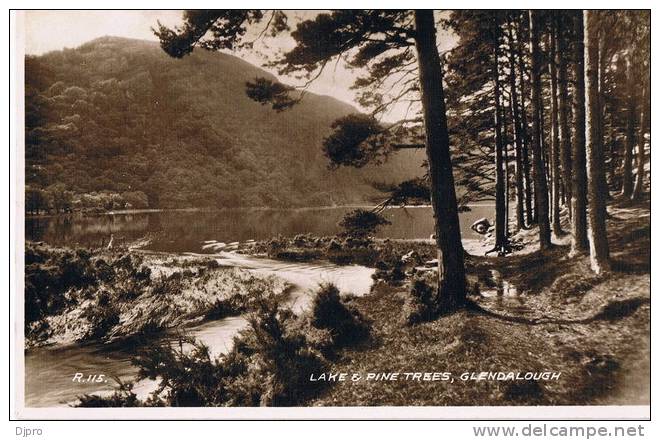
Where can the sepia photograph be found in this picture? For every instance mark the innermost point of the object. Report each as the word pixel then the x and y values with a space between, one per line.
pixel 242 210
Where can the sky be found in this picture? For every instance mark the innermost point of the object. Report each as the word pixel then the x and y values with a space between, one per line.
pixel 54 30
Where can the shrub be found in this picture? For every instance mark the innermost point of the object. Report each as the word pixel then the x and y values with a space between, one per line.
pixel 421 304
pixel 136 199
pixel 49 275
pixel 100 316
pixel 121 398
pixel 187 374
pixel 232 306
pixel 391 270
pixel 345 324
pixel 364 256
pixel 272 361
pixel 57 280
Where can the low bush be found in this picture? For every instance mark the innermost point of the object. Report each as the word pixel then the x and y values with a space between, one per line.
pixel 363 256
pixel 272 361
pixel 121 398
pixel 391 270
pixel 49 275
pixel 345 325
pixel 187 375
pixel 58 280
pixel 421 304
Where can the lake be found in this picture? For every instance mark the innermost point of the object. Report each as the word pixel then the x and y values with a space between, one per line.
pixel 184 231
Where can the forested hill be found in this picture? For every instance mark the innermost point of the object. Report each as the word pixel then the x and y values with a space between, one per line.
pixel 119 116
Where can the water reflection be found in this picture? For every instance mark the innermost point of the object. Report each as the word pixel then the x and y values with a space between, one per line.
pixel 501 295
pixel 182 231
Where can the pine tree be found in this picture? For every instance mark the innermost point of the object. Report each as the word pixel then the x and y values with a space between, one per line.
pixel 597 194
pixel 579 241
pixel 540 182
pixel 529 214
pixel 564 131
pixel 627 176
pixel 451 266
pixel 517 125
pixel 641 155
pixel 554 137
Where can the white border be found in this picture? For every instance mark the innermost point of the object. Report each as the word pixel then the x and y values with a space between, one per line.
pixel 348 413
pixel 16 251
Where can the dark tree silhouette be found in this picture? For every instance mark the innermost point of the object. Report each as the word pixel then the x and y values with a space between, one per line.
pixel 540 182
pixel 599 249
pixel 579 241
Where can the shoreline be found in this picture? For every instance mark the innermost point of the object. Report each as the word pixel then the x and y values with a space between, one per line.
pixel 238 208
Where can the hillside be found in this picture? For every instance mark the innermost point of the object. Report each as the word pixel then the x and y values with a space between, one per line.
pixel 118 115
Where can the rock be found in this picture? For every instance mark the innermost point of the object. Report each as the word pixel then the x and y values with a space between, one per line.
pixel 215 246
pixel 410 257
pixel 481 226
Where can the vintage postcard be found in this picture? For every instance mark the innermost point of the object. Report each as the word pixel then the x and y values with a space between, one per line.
pixel 285 214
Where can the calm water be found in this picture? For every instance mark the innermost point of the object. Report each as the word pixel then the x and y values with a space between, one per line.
pixel 183 231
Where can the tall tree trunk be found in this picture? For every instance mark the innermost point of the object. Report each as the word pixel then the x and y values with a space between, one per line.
pixel 602 65
pixel 564 132
pixel 524 128
pixel 544 152
pixel 597 193
pixel 579 242
pixel 627 177
pixel 546 147
pixel 517 135
pixel 500 201
pixel 451 267
pixel 540 182
pixel 641 154
pixel 554 135
pixel 507 197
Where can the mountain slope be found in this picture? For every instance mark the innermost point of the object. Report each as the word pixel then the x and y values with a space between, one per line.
pixel 119 115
